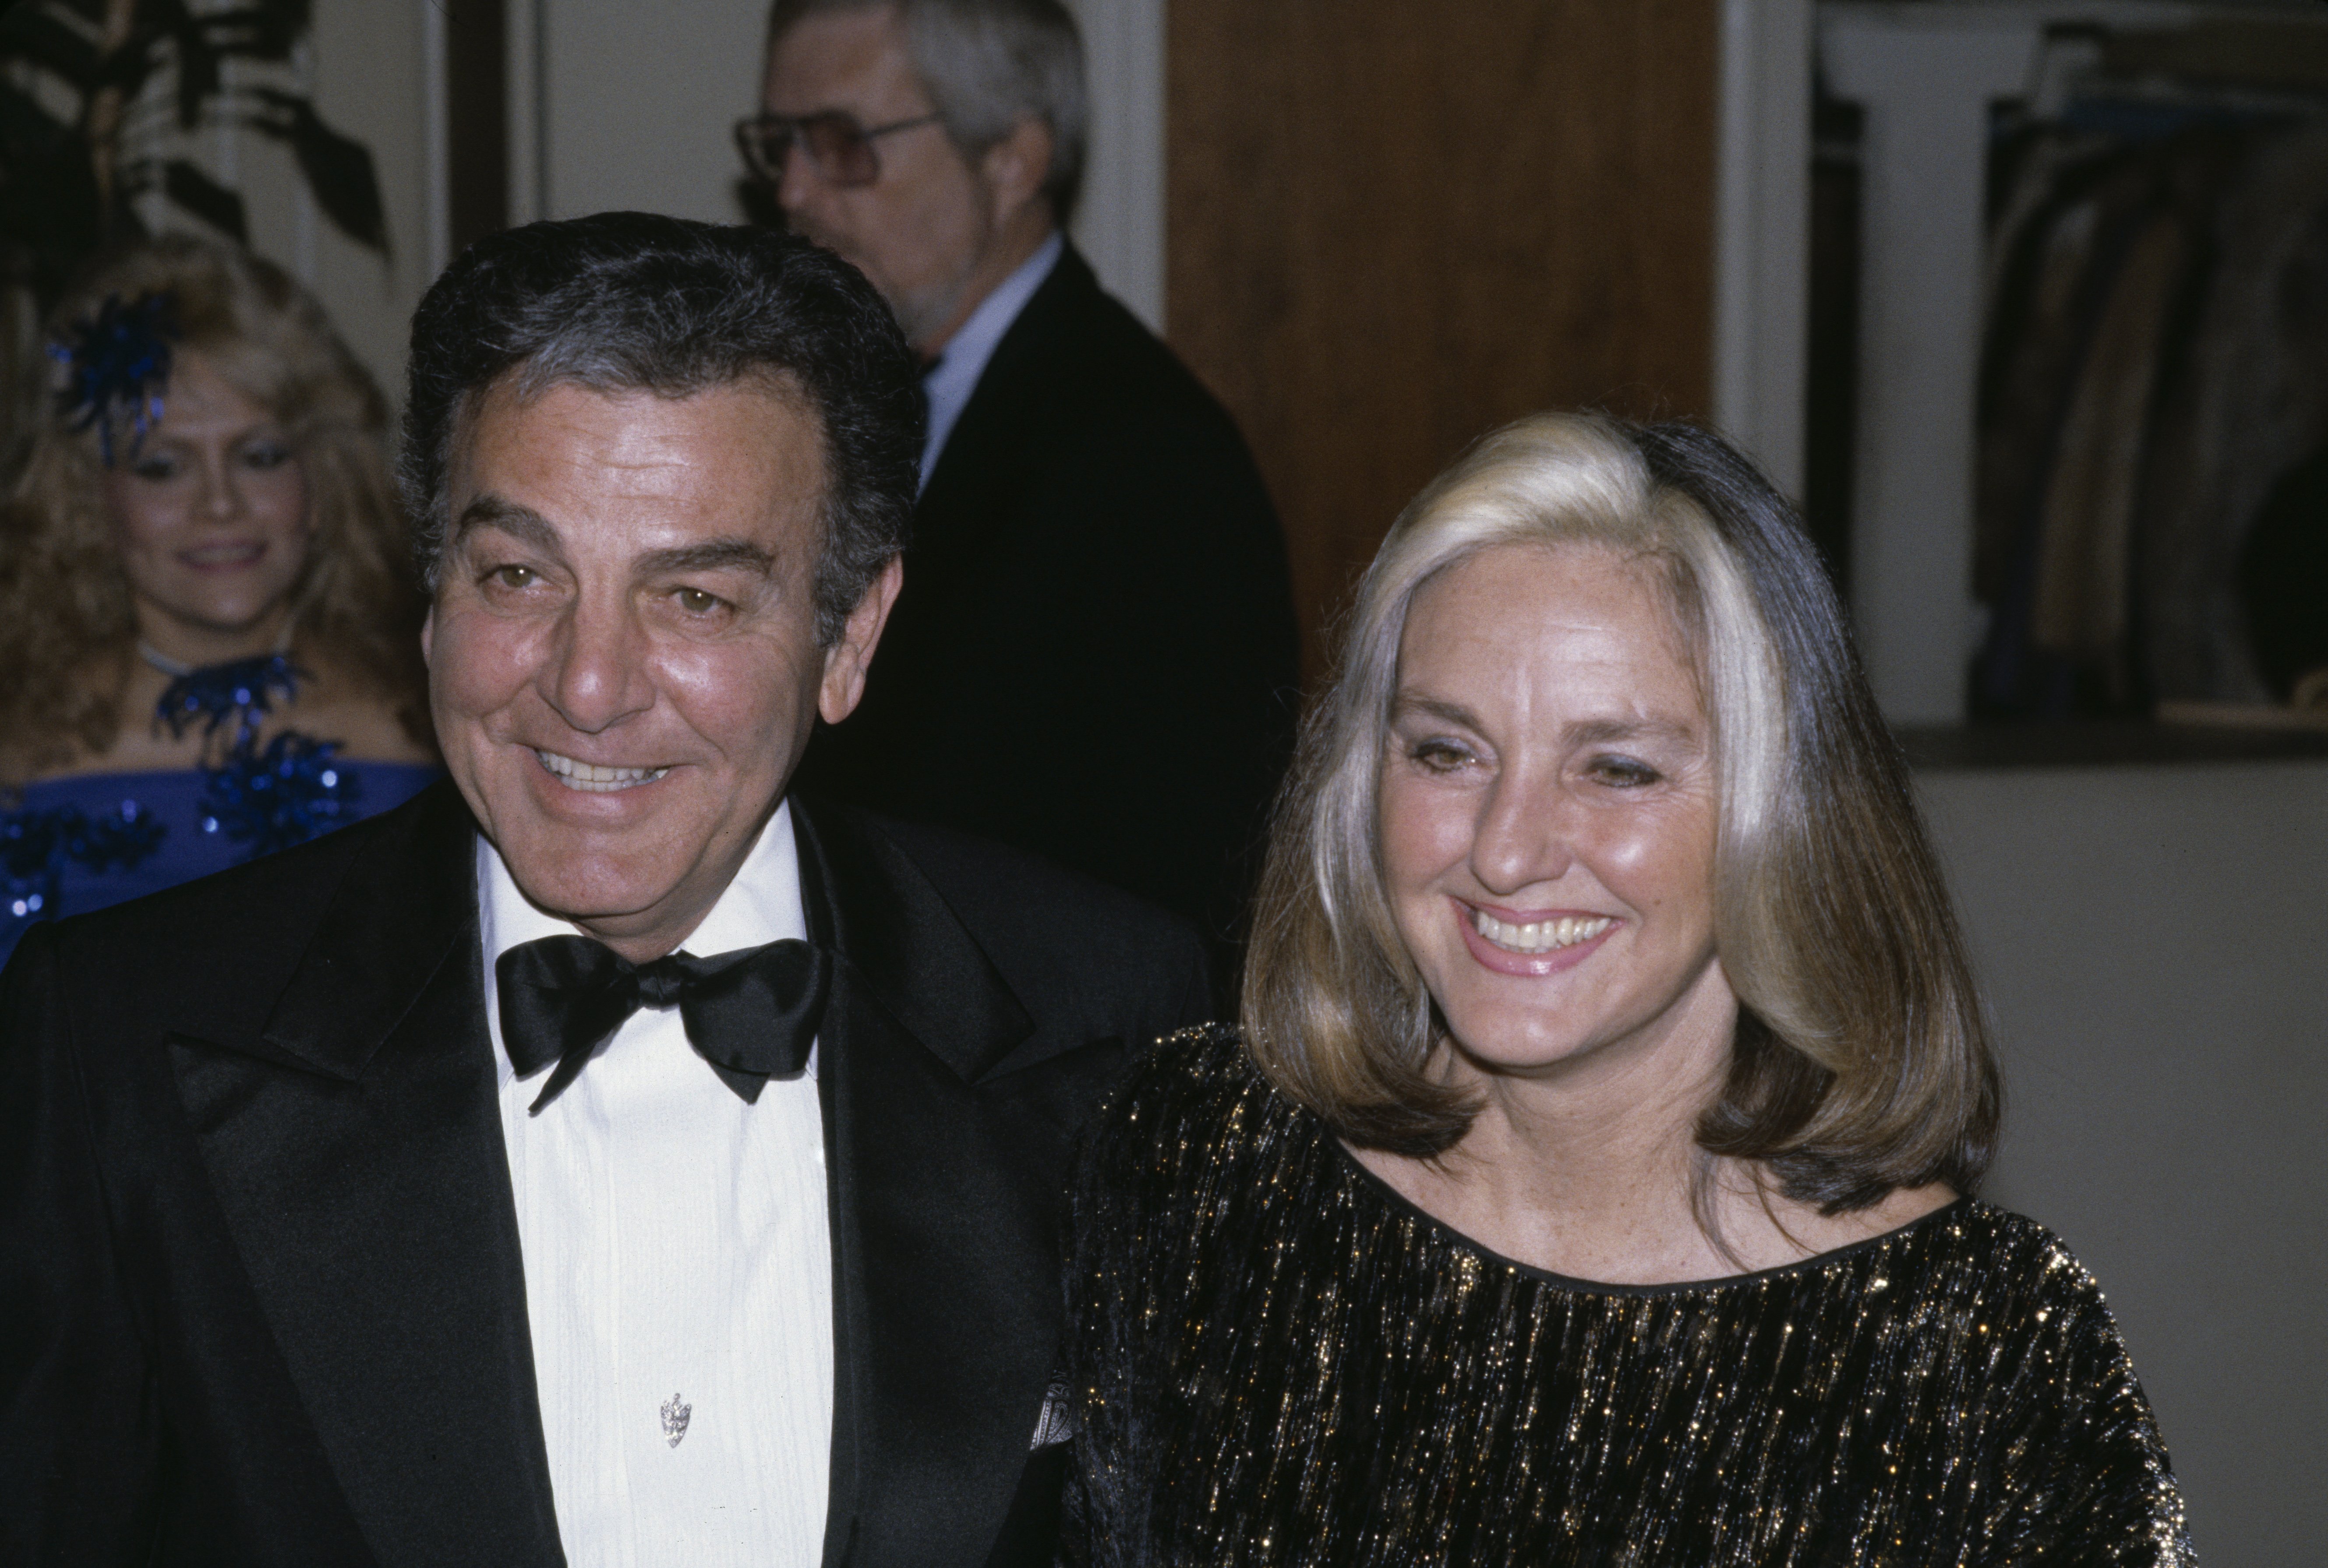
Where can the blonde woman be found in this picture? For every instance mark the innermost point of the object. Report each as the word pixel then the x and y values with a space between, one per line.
pixel 207 620
pixel 1591 1177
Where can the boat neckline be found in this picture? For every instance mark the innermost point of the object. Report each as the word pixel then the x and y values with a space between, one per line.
pixel 1957 1207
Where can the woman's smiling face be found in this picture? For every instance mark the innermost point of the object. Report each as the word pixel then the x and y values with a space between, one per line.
pixel 1548 810
pixel 210 512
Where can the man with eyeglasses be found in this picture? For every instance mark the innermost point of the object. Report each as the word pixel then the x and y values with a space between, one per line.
pixel 1094 655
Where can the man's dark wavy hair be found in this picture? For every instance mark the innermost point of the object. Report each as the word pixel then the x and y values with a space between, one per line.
pixel 626 301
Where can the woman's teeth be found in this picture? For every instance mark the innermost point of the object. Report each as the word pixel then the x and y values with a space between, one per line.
pixel 1540 936
pixel 592 780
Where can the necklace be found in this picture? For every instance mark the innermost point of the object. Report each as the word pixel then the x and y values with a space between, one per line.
pixel 175 669
pixel 268 796
pixel 231 697
pixel 179 669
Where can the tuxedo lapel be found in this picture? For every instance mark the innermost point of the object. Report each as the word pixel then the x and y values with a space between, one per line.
pixel 911 956
pixel 355 1146
pixel 945 1289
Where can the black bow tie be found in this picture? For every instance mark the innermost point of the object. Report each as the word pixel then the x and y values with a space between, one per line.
pixel 751 1013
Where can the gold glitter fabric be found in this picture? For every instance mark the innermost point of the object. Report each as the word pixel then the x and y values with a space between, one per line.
pixel 1277 1360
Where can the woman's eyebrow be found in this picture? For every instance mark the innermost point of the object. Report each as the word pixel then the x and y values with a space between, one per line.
pixel 1595 731
pixel 1582 733
pixel 1405 702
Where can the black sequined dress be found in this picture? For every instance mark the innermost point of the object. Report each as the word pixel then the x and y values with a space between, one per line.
pixel 1276 1359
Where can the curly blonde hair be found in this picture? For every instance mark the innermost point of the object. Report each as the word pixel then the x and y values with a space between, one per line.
pixel 68 624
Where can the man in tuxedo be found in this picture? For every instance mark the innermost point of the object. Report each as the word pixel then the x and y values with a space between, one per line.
pixel 609 1157
pixel 1095 653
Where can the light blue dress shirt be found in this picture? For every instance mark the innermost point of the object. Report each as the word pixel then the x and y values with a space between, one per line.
pixel 951 380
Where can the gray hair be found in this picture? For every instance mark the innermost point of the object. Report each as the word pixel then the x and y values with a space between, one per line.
pixel 640 301
pixel 988 65
pixel 1861 1062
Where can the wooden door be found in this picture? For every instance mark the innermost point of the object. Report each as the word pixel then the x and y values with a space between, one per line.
pixel 1393 226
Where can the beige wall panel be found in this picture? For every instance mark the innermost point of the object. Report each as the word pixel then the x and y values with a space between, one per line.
pixel 640 99
pixel 2153 942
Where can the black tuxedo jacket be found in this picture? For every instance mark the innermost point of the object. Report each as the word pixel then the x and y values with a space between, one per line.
pixel 1094 654
pixel 259 1259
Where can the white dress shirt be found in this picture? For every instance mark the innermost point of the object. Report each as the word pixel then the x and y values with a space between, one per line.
pixel 951 380
pixel 678 1271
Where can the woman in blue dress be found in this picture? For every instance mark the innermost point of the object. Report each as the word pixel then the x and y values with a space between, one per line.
pixel 209 633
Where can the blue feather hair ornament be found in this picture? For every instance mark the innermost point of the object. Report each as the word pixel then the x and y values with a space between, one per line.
pixel 115 369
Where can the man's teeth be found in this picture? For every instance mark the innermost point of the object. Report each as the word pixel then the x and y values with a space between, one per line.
pixel 1540 936
pixel 593 780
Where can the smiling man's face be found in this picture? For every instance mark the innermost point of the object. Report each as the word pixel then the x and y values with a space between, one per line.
pixel 623 653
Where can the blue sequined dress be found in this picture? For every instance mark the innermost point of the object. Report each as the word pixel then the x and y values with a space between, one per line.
pixel 91 852
pixel 78 842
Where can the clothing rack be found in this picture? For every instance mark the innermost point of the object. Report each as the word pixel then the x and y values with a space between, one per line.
pixel 1937 578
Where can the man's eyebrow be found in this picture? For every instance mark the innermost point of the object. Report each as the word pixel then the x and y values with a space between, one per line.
pixel 522 524
pixel 527 527
pixel 710 556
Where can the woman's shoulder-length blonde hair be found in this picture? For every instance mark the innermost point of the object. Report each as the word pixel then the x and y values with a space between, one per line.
pixel 66 621
pixel 1862 1062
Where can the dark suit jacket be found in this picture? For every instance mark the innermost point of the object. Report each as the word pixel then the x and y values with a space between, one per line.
pixel 259 1258
pixel 1095 655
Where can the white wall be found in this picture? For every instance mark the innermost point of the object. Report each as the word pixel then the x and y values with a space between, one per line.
pixel 1121 224
pixel 1761 272
pixel 2153 943
pixel 639 101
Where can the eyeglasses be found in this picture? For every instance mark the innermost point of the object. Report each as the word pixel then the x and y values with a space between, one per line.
pixel 841 150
